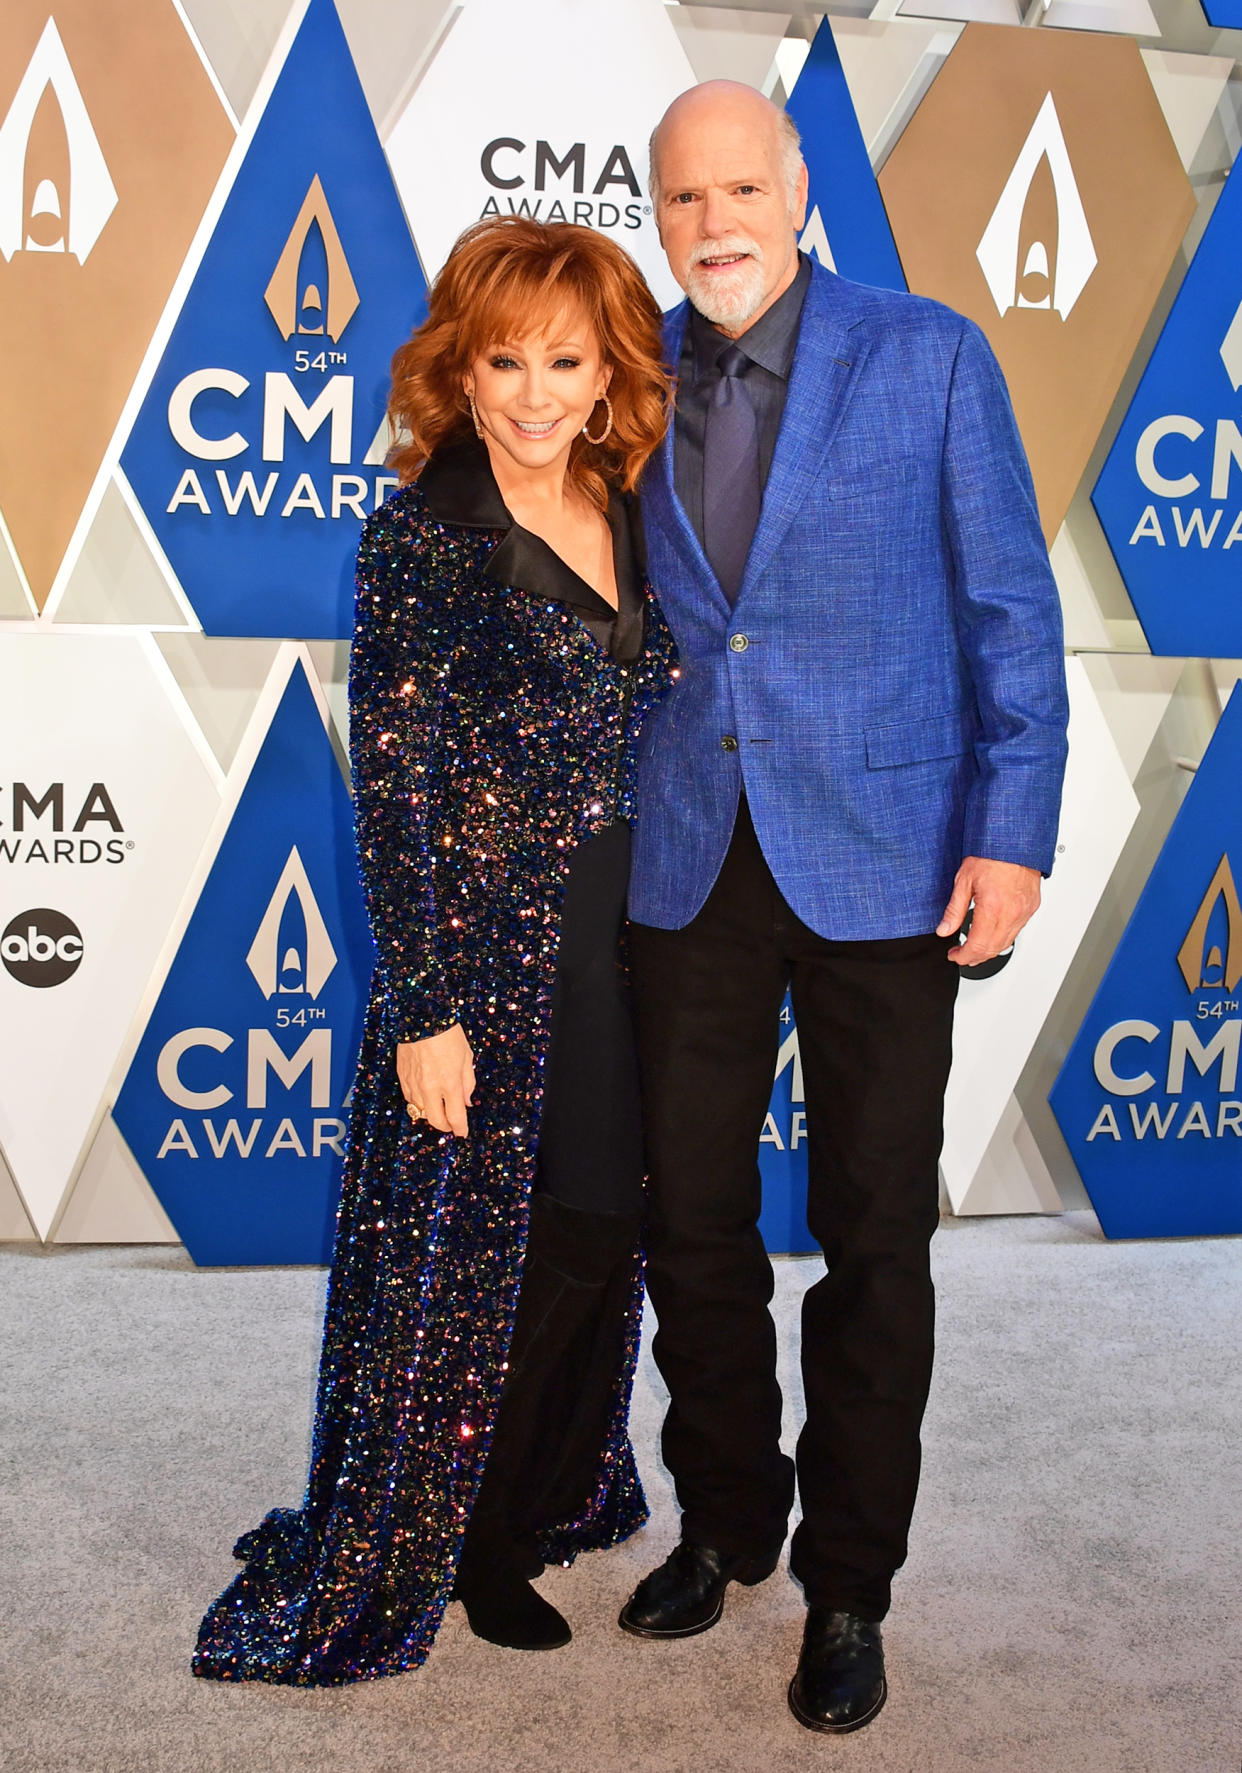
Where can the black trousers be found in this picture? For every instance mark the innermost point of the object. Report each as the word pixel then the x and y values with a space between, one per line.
pixel 586 1215
pixel 590 1134
pixel 874 1025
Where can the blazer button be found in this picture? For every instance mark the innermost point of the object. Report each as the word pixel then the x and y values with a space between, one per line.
pixel 728 743
pixel 738 643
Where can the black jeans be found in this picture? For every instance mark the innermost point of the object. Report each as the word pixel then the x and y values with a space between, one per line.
pixel 874 1025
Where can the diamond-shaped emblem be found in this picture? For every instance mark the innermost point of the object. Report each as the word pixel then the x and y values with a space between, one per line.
pixel 106 799
pixel 1169 496
pixel 234 1105
pixel 1017 202
pixel 846 227
pixel 259 448
pixel 111 141
pixel 515 116
pixel 1148 1096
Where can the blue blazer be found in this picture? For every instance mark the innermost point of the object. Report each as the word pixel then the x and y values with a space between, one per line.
pixel 890 687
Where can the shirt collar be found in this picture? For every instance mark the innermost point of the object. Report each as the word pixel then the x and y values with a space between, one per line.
pixel 770 342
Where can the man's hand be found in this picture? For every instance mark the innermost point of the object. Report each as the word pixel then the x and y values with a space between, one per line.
pixel 437 1078
pixel 1005 896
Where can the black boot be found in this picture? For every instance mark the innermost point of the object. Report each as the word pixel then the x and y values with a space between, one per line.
pixel 570 1258
pixel 501 1605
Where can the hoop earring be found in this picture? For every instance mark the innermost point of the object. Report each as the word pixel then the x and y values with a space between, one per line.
pixel 607 430
pixel 474 414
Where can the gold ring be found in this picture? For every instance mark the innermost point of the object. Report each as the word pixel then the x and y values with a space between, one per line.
pixel 414 1111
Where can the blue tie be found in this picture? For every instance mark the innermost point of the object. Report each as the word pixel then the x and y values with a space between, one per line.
pixel 731 492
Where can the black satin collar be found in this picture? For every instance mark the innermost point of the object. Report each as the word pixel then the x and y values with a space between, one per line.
pixel 460 488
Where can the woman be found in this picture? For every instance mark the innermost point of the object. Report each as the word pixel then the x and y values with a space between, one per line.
pixel 505 655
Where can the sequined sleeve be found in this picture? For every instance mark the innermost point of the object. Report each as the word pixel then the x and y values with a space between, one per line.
pixel 399 676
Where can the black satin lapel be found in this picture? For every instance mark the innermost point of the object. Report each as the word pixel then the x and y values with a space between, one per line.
pixel 459 487
pixel 630 565
pixel 525 562
pixel 631 510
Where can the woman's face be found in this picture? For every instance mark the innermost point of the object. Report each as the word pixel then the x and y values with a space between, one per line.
pixel 534 394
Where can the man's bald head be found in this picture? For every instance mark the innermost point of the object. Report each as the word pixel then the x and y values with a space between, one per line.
pixel 728 104
pixel 728 189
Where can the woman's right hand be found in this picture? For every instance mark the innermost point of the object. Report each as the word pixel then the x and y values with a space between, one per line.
pixel 437 1077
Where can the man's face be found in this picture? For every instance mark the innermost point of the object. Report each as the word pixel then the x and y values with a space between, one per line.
pixel 727 219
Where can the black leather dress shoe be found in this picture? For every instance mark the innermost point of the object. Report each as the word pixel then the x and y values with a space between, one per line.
pixel 839 1685
pixel 686 1594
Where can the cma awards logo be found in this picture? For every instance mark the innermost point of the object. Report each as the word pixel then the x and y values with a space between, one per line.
pixel 560 187
pixel 281 964
pixel 1037 250
pixel 259 448
pixel 1207 1042
pixel 1161 449
pixel 1148 1095
pixel 110 148
pixel 65 213
pixel 1168 495
pixel 41 827
pixel 311 294
pixel 1200 959
pixel 234 1103
pixel 294 299
pixel 1039 243
pixel 291 960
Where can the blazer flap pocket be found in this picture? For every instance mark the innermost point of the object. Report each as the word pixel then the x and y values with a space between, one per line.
pixel 875 478
pixel 917 741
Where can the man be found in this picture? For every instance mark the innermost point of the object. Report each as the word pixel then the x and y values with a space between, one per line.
pixel 868 736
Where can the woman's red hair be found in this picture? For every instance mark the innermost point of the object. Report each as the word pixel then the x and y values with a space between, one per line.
pixel 508 277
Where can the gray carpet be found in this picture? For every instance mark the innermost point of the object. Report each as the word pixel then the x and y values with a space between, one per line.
pixel 1071 1601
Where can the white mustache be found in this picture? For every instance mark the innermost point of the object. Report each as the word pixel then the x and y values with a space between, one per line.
pixel 718 249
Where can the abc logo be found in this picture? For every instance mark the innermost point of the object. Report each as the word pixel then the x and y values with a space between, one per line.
pixel 41 948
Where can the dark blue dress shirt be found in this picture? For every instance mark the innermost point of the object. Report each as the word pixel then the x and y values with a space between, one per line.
pixel 770 344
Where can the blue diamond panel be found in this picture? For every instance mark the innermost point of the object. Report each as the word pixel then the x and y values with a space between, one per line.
pixel 235 1103
pixel 254 454
pixel 1170 493
pixel 1227 13
pixel 1148 1096
pixel 844 199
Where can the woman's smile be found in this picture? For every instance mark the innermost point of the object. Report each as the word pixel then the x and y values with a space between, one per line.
pixel 528 428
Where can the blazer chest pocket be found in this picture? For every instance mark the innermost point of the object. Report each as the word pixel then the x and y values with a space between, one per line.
pixel 880 479
pixel 919 741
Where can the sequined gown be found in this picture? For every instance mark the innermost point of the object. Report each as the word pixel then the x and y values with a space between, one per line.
pixel 491 734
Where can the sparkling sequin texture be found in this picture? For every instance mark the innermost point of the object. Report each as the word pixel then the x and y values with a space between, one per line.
pixel 490 735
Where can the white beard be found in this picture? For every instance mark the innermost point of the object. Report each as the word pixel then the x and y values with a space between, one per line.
pixel 730 300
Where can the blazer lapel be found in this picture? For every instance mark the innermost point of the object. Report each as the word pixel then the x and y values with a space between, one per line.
pixel 660 502
pixel 832 347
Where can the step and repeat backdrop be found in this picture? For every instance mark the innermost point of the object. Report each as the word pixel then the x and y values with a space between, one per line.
pixel 217 220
